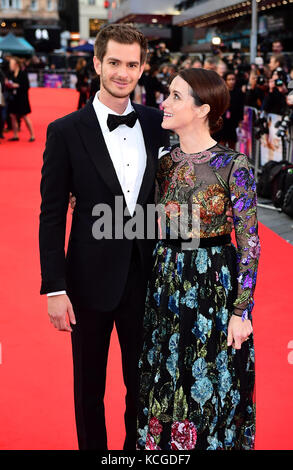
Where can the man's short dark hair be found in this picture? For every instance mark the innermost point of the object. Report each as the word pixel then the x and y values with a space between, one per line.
pixel 122 33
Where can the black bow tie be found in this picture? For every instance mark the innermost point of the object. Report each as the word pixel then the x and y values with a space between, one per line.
pixel 114 120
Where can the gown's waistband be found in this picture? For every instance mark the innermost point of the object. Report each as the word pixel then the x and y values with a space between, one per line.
pixel 203 242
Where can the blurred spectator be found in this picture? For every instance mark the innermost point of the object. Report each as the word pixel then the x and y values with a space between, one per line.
pixel 275 101
pixel 186 64
pixel 234 114
pixel 94 84
pixel 255 90
pixel 277 48
pixel 229 60
pixel 82 84
pixel 196 63
pixel 172 71
pixel 164 73
pixel 18 102
pixel 161 54
pixel 221 68
pixel 276 61
pixel 139 94
pixel 242 74
pixel 153 87
pixel 210 63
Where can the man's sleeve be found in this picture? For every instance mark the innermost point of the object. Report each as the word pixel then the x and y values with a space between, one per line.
pixel 55 197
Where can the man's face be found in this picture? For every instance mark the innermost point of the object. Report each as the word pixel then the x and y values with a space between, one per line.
pixel 120 69
pixel 277 47
pixel 209 66
pixel 196 65
pixel 273 64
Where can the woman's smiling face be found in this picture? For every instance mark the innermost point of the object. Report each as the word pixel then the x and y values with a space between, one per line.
pixel 179 108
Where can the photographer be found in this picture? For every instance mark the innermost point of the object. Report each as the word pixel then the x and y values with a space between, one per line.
pixel 161 54
pixel 275 101
pixel 255 90
pixel 154 89
pixel 277 61
pixel 227 136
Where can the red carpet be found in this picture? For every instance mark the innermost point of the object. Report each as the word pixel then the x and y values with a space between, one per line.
pixel 36 387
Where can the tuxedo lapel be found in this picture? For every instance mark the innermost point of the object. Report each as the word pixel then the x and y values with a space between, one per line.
pixel 94 142
pixel 149 174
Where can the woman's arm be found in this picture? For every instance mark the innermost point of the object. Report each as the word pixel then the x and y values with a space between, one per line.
pixel 243 198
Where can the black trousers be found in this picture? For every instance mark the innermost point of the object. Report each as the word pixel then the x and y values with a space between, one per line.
pixel 90 345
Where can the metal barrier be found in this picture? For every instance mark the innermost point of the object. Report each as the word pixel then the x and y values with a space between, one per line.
pixel 52 79
pixel 258 139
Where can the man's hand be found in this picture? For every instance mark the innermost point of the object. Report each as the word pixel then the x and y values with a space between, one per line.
pixel 238 331
pixel 229 214
pixel 72 201
pixel 58 307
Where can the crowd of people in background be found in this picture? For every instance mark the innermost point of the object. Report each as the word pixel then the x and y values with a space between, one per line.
pixel 262 85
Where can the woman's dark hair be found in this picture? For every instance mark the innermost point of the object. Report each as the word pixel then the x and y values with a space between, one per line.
pixel 226 75
pixel 208 88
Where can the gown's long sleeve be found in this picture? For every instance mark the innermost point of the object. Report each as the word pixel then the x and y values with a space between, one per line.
pixel 243 197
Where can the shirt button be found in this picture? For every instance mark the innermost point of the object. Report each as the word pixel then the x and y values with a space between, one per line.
pixel 127 164
pixel 124 138
pixel 128 191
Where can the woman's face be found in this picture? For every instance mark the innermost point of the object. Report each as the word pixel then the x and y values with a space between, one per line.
pixel 253 79
pixel 231 81
pixel 179 107
pixel 12 65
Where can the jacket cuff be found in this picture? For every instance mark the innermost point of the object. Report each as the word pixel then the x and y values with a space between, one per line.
pixel 53 286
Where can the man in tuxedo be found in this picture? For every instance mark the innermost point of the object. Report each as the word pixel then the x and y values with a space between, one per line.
pixel 107 149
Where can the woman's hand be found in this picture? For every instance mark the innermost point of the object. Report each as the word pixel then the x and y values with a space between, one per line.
pixel 72 201
pixel 238 331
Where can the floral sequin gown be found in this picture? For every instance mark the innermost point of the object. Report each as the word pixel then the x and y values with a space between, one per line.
pixel 195 392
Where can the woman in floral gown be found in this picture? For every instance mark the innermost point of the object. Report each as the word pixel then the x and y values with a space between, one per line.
pixel 197 364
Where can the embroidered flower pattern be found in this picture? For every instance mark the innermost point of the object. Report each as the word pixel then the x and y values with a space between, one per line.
pixel 189 378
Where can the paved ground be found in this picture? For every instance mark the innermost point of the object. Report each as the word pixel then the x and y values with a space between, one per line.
pixel 275 220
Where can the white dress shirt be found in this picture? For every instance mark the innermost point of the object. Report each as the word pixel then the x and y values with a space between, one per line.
pixel 127 151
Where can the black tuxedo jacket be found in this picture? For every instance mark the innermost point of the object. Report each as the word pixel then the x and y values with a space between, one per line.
pixel 76 159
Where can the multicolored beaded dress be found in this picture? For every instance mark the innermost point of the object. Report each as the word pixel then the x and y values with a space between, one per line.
pixel 195 392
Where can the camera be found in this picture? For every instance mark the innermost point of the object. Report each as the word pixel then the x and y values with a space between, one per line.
pixel 282 79
pixel 261 80
pixel 283 125
pixel 287 120
pixel 279 82
pixel 261 126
